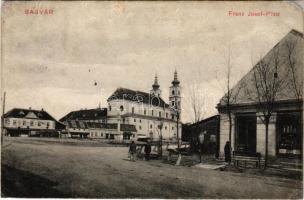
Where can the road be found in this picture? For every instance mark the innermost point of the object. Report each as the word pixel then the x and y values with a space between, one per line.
pixel 41 169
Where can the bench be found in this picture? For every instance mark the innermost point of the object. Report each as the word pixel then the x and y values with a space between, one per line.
pixel 247 158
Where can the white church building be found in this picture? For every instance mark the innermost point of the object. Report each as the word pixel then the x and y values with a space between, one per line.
pixel 148 112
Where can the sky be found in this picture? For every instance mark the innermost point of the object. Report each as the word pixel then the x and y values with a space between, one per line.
pixel 52 61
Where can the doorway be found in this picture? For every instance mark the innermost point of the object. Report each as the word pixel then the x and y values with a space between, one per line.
pixel 245 140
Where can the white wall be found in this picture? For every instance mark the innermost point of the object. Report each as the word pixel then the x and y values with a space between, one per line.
pixel 142 120
pixel 24 123
pixel 224 132
pixel 271 136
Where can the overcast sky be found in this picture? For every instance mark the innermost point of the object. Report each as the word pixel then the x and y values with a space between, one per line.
pixel 52 61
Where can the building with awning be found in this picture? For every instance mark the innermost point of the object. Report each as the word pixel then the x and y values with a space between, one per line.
pixel 97 130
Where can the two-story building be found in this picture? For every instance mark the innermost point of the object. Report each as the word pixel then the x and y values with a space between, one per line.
pixel 29 122
pixel 92 123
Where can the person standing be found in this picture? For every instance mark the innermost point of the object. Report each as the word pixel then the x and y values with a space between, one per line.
pixel 227 150
pixel 132 151
pixel 147 150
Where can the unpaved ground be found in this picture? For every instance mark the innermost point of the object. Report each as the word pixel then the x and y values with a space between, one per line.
pixel 59 170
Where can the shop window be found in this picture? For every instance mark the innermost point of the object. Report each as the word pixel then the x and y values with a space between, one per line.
pixel 289 138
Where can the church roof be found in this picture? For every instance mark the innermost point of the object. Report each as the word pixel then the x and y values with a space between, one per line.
pixel 29 114
pixel 286 93
pixel 137 96
pixel 89 114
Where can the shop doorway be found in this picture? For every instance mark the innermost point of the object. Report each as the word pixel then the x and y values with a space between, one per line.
pixel 245 140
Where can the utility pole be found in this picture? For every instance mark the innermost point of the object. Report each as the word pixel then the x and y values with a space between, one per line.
pixel 160 137
pixel 178 141
pixel 2 118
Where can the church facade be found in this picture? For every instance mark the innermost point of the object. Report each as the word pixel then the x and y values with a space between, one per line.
pixel 148 112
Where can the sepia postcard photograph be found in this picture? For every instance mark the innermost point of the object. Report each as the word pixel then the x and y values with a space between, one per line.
pixel 152 99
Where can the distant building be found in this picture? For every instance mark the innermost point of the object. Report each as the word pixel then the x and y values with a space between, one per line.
pixel 29 122
pixel 286 123
pixel 87 115
pixel 210 127
pixel 148 112
pixel 92 123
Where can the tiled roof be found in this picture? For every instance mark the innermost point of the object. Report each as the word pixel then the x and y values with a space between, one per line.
pixel 137 96
pixel 28 113
pixel 90 114
pixel 247 82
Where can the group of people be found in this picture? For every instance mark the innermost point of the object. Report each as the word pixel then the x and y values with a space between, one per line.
pixel 147 150
pixel 132 151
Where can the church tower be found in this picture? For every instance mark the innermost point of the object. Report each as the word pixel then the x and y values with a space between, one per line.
pixel 155 91
pixel 175 93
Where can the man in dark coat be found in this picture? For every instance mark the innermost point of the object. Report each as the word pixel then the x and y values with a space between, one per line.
pixel 147 151
pixel 227 150
pixel 132 151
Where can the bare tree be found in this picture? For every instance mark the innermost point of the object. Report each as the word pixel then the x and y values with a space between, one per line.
pixel 230 96
pixel 197 102
pixel 296 82
pixel 195 97
pixel 267 81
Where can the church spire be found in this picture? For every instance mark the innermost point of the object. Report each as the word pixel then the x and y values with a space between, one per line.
pixel 155 85
pixel 175 82
pixel 155 91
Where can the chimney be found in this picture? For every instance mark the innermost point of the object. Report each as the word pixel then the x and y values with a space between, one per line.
pixel 42 109
pixel 30 108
